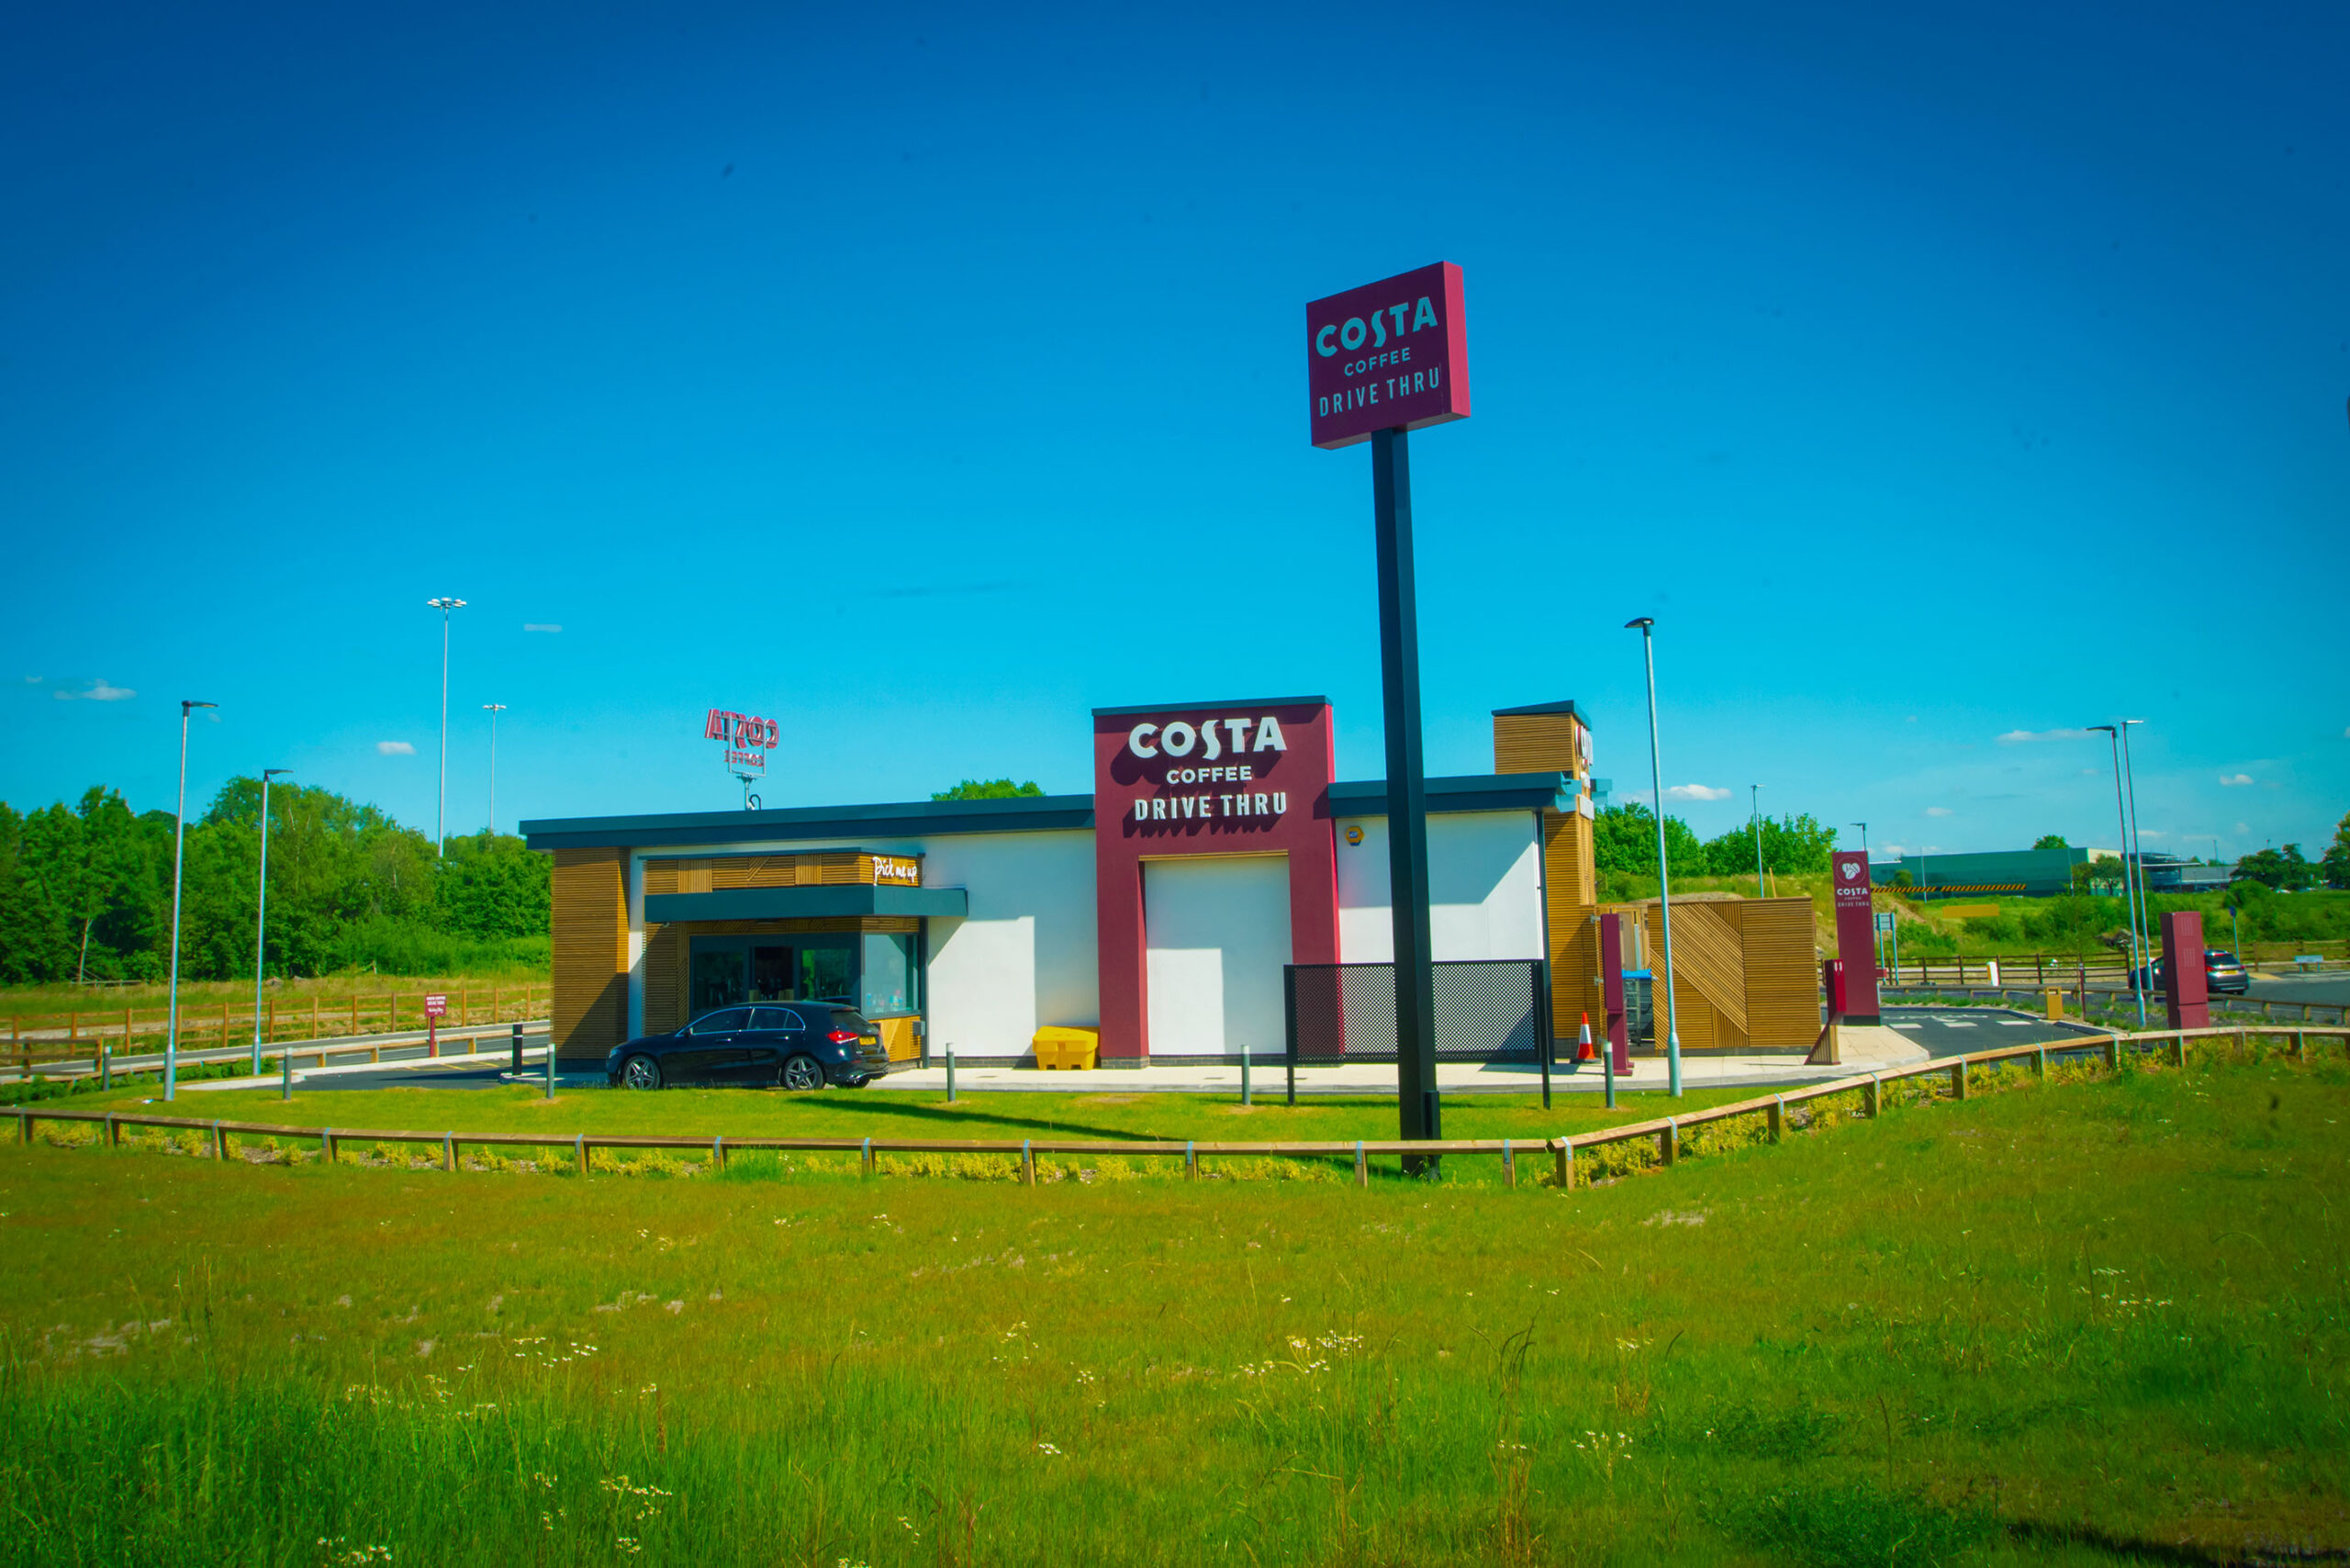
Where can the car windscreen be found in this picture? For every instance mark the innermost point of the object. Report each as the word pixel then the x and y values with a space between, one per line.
pixel 855 1022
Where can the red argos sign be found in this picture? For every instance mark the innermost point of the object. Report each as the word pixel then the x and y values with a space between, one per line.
pixel 1387 355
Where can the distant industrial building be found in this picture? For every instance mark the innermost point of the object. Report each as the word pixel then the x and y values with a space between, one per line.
pixel 2014 873
pixel 2038 873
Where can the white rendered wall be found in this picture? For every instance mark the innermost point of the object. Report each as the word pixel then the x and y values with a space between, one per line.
pixel 1023 956
pixel 1215 936
pixel 1484 889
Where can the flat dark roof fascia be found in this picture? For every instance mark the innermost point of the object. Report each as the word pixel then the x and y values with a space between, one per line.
pixel 855 900
pixel 1534 707
pixel 1196 707
pixel 1461 793
pixel 1031 813
pixel 1019 813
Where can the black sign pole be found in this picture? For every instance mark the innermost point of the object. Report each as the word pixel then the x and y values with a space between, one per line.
pixel 1420 1111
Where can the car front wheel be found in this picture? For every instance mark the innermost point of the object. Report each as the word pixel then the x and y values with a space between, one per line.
pixel 801 1073
pixel 639 1072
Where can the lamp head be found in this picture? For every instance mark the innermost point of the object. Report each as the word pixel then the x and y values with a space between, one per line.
pixel 269 773
pixel 2106 729
pixel 444 604
pixel 1643 622
pixel 185 705
pixel 493 706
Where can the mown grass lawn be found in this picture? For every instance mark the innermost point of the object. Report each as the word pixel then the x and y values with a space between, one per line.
pixel 2084 1322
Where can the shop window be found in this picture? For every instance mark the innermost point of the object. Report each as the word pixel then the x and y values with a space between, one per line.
pixel 718 974
pixel 772 973
pixel 891 981
pixel 825 973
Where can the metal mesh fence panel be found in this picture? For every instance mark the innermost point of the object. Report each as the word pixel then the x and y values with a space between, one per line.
pixel 1485 1010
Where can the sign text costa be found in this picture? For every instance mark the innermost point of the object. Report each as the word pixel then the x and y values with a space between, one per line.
pixel 741 734
pixel 1391 355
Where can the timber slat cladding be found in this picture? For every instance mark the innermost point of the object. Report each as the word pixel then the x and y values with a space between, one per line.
pixel 1545 743
pixel 720 873
pixel 588 1012
pixel 1707 954
pixel 1782 978
pixel 664 978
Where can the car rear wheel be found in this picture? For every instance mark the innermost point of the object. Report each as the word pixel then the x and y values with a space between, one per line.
pixel 639 1072
pixel 801 1073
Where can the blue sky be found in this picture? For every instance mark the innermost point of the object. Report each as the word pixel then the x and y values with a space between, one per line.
pixel 923 378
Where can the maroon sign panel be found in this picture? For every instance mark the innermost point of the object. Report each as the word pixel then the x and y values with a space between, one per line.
pixel 2187 982
pixel 1387 355
pixel 1209 778
pixel 1856 934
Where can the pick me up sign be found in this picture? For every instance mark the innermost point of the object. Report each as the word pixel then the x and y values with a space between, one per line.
pixel 1388 355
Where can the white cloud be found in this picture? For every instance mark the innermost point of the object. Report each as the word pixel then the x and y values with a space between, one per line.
pixel 394 748
pixel 32 680
pixel 2021 737
pixel 2243 827
pixel 1938 810
pixel 1694 792
pixel 540 626
pixel 99 692
pixel 2232 780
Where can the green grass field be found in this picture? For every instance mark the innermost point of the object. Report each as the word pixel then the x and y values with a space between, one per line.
pixel 2088 1322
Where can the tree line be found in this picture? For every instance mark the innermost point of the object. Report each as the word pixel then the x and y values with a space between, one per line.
pixel 86 892
pixel 1624 846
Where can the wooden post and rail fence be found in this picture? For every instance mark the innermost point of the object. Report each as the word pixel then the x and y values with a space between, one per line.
pixel 79 1035
pixel 1666 1132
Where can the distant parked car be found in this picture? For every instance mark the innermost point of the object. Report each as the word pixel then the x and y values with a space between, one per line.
pixel 2222 974
pixel 800 1045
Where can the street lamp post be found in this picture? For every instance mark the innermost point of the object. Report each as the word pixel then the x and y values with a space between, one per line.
pixel 493 710
pixel 1755 815
pixel 2130 902
pixel 179 853
pixel 261 911
pixel 2141 922
pixel 441 816
pixel 1647 625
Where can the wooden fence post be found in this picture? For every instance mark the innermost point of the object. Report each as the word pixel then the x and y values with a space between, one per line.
pixel 1777 1116
pixel 1362 1166
pixel 2113 1052
pixel 448 1152
pixel 1191 1161
pixel 864 1165
pixel 220 1142
pixel 579 1147
pixel 1563 1155
pixel 1027 1162
pixel 1869 1098
pixel 716 1149
pixel 1509 1166
pixel 1668 1142
pixel 2179 1048
pixel 2040 1064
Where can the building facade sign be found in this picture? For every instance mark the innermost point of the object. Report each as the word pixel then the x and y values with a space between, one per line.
pixel 1250 778
pixel 896 870
pixel 1387 355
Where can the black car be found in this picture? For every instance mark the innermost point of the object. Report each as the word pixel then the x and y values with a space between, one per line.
pixel 2223 975
pixel 799 1044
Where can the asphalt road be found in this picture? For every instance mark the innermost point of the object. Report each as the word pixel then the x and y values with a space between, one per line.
pixel 1954 1031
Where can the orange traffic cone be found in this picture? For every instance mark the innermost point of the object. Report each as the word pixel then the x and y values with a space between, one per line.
pixel 1583 1047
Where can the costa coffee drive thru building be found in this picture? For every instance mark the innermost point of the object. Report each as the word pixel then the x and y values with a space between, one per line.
pixel 1216 847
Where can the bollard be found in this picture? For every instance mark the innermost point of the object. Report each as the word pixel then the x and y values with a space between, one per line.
pixel 518 1048
pixel 1027 1162
pixel 1509 1166
pixel 1246 1098
pixel 950 1075
pixel 865 1162
pixel 105 1067
pixel 550 1066
pixel 2178 1049
pixel 1607 1057
pixel 286 1075
pixel 1362 1168
pixel 1777 1116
